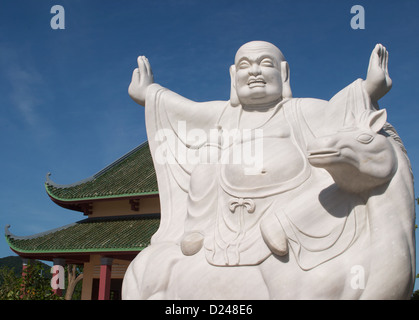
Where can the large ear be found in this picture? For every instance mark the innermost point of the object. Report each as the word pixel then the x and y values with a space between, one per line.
pixel 286 86
pixel 234 99
pixel 377 119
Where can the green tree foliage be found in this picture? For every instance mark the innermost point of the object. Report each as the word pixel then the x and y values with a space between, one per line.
pixel 10 284
pixel 35 285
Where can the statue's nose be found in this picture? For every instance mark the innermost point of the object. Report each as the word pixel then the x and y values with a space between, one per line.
pixel 254 69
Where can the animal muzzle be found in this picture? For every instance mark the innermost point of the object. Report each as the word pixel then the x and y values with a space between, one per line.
pixel 321 157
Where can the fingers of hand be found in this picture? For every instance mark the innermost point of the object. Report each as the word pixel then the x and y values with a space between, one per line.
pixel 386 62
pixel 382 56
pixel 375 57
pixel 383 62
pixel 141 65
pixel 145 73
pixel 135 76
pixel 148 67
pixel 379 56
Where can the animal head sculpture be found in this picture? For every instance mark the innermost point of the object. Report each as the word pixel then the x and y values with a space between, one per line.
pixel 358 157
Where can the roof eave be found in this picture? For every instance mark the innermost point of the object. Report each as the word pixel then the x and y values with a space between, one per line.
pixel 76 257
pixel 76 204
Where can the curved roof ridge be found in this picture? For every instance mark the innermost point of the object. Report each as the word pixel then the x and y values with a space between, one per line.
pixel 63 186
pixel 89 235
pixel 96 175
pixel 40 234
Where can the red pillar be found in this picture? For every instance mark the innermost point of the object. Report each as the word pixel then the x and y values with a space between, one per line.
pixel 25 266
pixel 105 278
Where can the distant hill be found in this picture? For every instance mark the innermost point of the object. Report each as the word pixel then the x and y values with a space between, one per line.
pixel 12 262
pixel 15 263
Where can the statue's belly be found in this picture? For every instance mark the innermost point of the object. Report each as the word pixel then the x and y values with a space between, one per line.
pixel 262 162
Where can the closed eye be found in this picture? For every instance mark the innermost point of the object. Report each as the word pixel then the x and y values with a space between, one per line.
pixel 267 62
pixel 365 138
pixel 244 64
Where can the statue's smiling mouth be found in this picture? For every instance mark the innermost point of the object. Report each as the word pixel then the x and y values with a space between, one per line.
pixel 256 82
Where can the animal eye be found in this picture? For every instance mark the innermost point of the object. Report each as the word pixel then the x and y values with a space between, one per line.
pixel 365 138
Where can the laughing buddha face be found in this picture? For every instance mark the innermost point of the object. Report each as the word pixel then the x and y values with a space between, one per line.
pixel 258 74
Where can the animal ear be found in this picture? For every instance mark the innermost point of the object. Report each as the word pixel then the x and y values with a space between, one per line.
pixel 234 99
pixel 377 119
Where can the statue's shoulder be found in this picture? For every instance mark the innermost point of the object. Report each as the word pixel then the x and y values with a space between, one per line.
pixel 311 108
pixel 311 105
pixel 313 111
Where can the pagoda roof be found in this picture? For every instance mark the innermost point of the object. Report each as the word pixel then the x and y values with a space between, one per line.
pixel 116 234
pixel 131 176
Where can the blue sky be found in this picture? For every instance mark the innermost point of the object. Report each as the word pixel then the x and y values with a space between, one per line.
pixel 64 106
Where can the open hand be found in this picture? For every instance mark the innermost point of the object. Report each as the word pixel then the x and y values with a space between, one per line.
pixel 378 81
pixel 142 77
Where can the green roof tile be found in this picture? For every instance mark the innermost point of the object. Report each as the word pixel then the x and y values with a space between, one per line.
pixel 131 175
pixel 120 233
